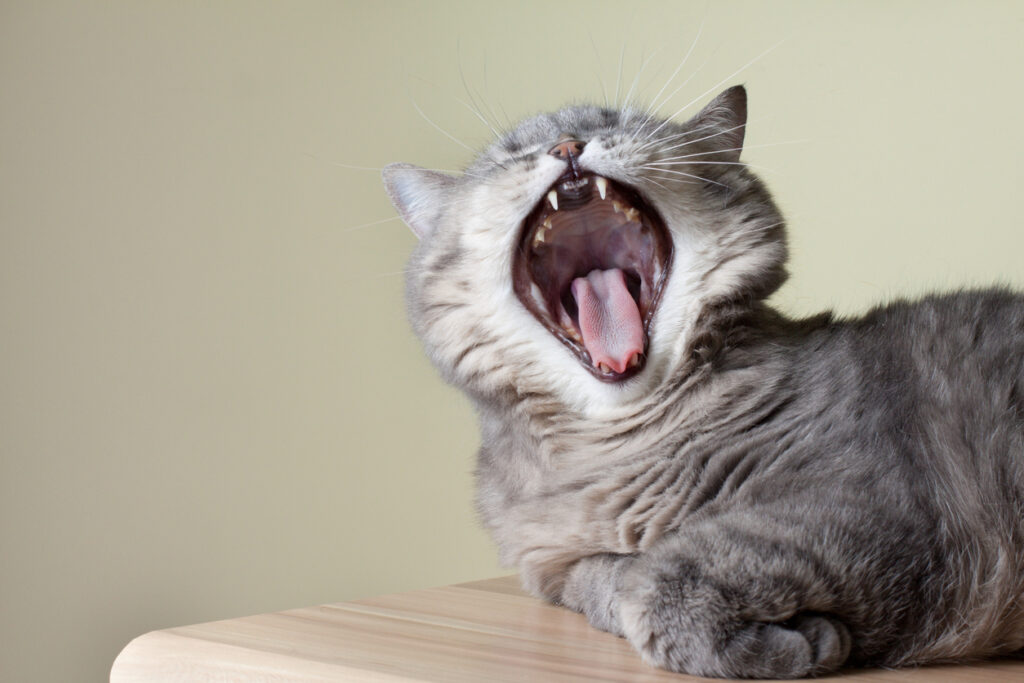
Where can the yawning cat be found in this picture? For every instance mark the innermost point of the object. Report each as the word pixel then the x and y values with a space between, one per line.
pixel 737 493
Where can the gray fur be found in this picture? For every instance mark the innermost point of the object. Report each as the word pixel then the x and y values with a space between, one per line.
pixel 768 497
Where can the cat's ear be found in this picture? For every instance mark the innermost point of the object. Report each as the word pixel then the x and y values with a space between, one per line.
pixel 724 122
pixel 418 194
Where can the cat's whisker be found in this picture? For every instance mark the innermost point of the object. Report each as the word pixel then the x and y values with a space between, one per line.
pixel 707 137
pixel 370 224
pixel 689 78
pixel 378 169
pixel 439 128
pixel 618 79
pixel 476 108
pixel 690 175
pixel 636 79
pixel 657 142
pixel 654 100
pixel 655 182
pixel 697 163
pixel 719 84
pixel 597 60
pixel 731 149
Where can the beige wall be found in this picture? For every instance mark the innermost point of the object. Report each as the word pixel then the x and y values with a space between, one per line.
pixel 210 403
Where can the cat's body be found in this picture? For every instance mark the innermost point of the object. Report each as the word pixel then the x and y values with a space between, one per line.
pixel 736 493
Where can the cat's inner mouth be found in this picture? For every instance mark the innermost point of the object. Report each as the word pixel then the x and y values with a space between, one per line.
pixel 592 262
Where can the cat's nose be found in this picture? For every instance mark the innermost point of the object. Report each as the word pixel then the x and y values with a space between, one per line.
pixel 567 149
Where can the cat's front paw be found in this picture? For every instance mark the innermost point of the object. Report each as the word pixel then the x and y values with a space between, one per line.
pixel 686 626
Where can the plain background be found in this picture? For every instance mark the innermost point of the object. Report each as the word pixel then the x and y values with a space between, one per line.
pixel 210 402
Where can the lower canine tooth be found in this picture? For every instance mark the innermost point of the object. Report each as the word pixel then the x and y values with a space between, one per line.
pixel 602 186
pixel 603 367
pixel 634 361
pixel 553 198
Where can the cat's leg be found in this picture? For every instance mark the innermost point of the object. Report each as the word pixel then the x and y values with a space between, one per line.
pixel 592 586
pixel 713 608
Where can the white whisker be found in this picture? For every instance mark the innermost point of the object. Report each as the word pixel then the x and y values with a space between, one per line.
pixel 690 175
pixel 597 58
pixel 654 101
pixel 719 84
pixel 367 225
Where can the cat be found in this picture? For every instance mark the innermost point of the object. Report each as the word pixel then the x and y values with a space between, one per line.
pixel 737 493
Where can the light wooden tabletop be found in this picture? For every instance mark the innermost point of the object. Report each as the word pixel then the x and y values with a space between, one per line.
pixel 473 632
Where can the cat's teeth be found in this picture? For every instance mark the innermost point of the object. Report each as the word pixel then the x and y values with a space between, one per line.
pixel 603 367
pixel 539 236
pixel 634 361
pixel 537 296
pixel 619 208
pixel 632 215
pixel 553 198
pixel 602 186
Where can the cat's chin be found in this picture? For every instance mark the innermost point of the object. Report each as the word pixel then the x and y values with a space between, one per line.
pixel 591 264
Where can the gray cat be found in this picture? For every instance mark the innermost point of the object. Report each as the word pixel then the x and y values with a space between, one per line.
pixel 737 493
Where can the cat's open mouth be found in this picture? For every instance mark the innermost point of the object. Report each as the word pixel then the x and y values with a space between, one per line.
pixel 592 261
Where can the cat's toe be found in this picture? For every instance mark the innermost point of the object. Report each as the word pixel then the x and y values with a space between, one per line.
pixel 829 639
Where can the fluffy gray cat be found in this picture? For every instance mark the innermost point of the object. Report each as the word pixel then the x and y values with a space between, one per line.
pixel 737 493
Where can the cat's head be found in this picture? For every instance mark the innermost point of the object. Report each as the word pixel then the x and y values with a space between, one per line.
pixel 576 254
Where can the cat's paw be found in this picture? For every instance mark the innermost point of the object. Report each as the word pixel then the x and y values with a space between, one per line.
pixel 686 627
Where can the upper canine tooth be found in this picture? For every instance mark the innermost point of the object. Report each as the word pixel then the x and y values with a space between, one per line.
pixel 602 186
pixel 553 198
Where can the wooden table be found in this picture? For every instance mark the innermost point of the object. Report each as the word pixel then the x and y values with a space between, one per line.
pixel 473 632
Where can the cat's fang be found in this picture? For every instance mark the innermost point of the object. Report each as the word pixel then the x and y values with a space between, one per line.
pixel 553 199
pixel 602 186
pixel 634 361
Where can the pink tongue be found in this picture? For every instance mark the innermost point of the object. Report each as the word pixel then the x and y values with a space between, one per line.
pixel 609 318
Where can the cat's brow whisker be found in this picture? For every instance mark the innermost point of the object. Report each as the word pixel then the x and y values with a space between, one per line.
pixel 439 128
pixel 483 99
pixel 655 105
pixel 639 72
pixel 618 79
pixel 719 84
pixel 597 59
pixel 688 79
pixel 475 108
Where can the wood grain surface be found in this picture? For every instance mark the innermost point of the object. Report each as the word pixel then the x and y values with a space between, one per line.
pixel 473 632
